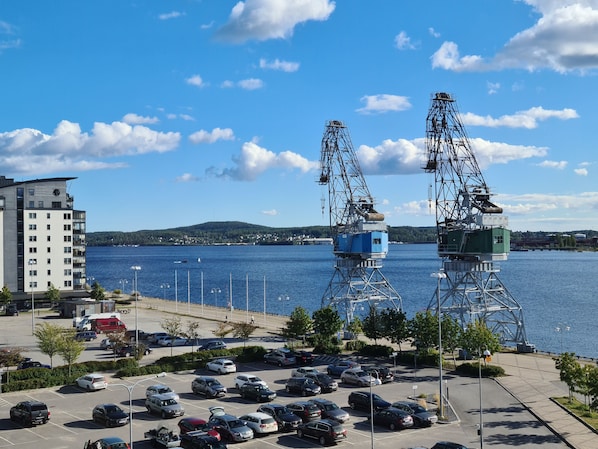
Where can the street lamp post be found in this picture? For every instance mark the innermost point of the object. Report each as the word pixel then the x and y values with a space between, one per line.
pixel 283 298
pixel 485 356
pixel 136 268
pixel 130 390
pixel 561 328
pixel 214 291
pixel 122 283
pixel 164 287
pixel 32 263
pixel 439 276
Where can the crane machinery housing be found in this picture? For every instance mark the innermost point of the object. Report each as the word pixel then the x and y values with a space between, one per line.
pixel 359 233
pixel 472 233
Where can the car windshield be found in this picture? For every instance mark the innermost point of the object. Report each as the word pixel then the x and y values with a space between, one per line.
pixel 235 424
pixel 361 373
pixel 282 411
pixel 113 409
pixel 163 390
pixel 331 406
pixel 375 396
pixel 417 408
pixel 213 383
pixel 169 402
pixel 37 407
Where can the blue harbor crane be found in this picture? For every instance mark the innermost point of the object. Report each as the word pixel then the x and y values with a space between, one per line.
pixel 472 233
pixel 359 233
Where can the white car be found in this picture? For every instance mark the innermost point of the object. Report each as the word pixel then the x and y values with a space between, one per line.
pixel 303 370
pixel 357 376
pixel 222 366
pixel 261 423
pixel 169 341
pixel 92 382
pixel 242 379
pixel 161 389
pixel 106 344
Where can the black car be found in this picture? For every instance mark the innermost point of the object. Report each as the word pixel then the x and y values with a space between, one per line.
pixel 380 372
pixel 362 400
pixel 302 386
pixel 307 411
pixel 286 419
pixel 109 415
pixel 32 364
pixel 448 445
pixel 11 310
pixel 30 413
pixel 393 418
pixel 421 416
pixel 325 431
pixel 326 383
pixel 257 392
pixel 303 357
pixel 330 410
pixel 129 350
pixel 198 440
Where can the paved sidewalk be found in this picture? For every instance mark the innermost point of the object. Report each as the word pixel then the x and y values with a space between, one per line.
pixel 533 379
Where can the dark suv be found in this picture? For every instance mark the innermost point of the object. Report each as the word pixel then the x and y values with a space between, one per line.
pixel 286 419
pixel 307 411
pixel 30 413
pixel 303 386
pixel 361 400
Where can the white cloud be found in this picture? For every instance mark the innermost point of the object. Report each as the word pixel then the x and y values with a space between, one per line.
pixel 447 57
pixel 271 19
pixel 195 80
pixel 403 42
pixel 534 203
pixel 29 151
pixel 383 103
pixel 170 15
pixel 581 171
pixel 216 134
pixel 522 119
pixel 271 212
pixel 134 119
pixel 559 165
pixel 277 64
pixel 186 177
pixel 251 84
pixel 433 32
pixel 255 160
pixel 227 84
pixel 492 88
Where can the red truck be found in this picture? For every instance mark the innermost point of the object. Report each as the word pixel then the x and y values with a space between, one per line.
pixel 108 325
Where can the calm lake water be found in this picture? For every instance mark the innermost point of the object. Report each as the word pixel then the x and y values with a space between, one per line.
pixel 554 288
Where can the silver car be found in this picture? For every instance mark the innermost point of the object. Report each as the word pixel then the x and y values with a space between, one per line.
pixel 164 405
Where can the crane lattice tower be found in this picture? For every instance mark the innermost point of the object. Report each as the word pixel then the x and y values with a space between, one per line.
pixel 359 233
pixel 472 233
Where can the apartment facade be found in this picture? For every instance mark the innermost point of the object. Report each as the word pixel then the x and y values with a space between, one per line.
pixel 43 238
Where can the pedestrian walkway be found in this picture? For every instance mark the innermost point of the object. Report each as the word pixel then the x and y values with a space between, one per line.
pixel 533 379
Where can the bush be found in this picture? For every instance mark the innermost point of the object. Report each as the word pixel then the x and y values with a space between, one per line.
pixel 473 370
pixel 355 345
pixel 376 351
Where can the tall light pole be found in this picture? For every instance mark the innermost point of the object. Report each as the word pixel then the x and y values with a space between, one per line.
pixel 264 300
pixel 32 263
pixel 122 283
pixel 439 276
pixel 164 287
pixel 176 291
pixel 130 390
pixel 485 356
pixel 283 298
pixel 136 268
pixel 215 292
pixel 561 328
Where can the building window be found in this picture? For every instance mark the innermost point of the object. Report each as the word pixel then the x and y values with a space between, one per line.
pixel 67 227
pixel 68 283
pixel 32 227
pixel 33 238
pixel 56 205
pixel 31 204
pixel 49 272
pixel 67 216
pixel 68 272
pixel 40 204
pixel 67 260
pixel 49 249
pixel 48 261
pixel 48 227
pixel 67 238
pixel 32 273
pixel 31 192
pixel 32 215
pixel 32 250
pixel 48 216
pixel 67 249
pixel 32 285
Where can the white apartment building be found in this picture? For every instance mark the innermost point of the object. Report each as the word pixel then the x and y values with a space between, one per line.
pixel 43 238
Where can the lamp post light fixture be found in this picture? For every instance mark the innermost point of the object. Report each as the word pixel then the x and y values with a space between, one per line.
pixel 283 298
pixel 130 390
pixel 32 263
pixel 439 276
pixel 215 292
pixel 136 268
pixel 562 328
pixel 122 283
pixel 164 287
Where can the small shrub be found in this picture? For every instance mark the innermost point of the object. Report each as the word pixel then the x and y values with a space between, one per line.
pixel 473 370
pixel 376 351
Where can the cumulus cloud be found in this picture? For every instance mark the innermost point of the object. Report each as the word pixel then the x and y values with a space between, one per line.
pixel 562 40
pixel 251 84
pixel 271 212
pixel 277 64
pixel 215 135
pixel 403 42
pixel 255 160
pixel 170 15
pixel 559 165
pixel 581 171
pixel 134 119
pixel 29 151
pixel 433 32
pixel 383 103
pixel 262 20
pixel 186 177
pixel 522 119
pixel 534 203
pixel 195 80
pixel 492 88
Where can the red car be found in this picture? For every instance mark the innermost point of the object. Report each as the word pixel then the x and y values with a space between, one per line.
pixel 191 424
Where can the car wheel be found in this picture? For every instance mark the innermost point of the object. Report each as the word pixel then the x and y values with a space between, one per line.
pixel 322 441
pixel 149 410
pixel 352 405
pixel 88 387
pixel 279 363
pixel 392 426
pixel 329 372
pixel 303 393
pixel 163 415
pixel 221 372
pixel 300 433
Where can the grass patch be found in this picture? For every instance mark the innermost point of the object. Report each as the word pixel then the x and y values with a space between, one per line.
pixel 580 410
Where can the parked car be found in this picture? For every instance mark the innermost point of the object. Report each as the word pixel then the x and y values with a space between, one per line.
pixel 357 376
pixel 325 431
pixel 448 445
pixel 302 386
pixel 286 419
pixel 160 389
pixel 107 443
pixel 383 373
pixel 164 405
pixel 199 440
pixel 106 344
pixel 129 350
pixel 173 341
pixel 279 357
pixel 257 392
pixel 362 400
pixel 93 381
pixel 304 357
pixel 336 369
pixel 393 418
pixel 86 336
pixel 210 387
pixel 327 384
pixel 330 410
pixel 244 378
pixel 303 370
pixel 307 411
pixel 222 366
pixel 153 338
pixel 11 310
pixel 421 416
pixel 230 427
pixel 212 345
pixel 31 364
pixel 30 413
pixel 109 415
pixel 192 424
pixel 261 423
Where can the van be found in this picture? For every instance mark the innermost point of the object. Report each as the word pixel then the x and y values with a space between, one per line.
pixel 84 324
pixel 108 325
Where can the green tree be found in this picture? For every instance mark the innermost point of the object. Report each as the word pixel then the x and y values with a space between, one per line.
pixel 477 338
pixel 355 328
pixel 97 292
pixel 327 322
pixel 373 327
pixel 423 328
pixel 298 325
pixel 451 335
pixel 173 327
pixel 243 331
pixel 52 294
pixel 5 295
pixel 569 370
pixel 49 338
pixel 191 333
pixel 11 356
pixel 70 348
pixel 395 325
pixel 222 330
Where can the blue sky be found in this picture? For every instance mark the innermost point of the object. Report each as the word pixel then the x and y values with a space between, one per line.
pixel 174 113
